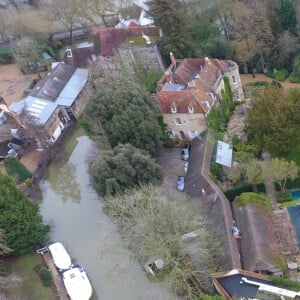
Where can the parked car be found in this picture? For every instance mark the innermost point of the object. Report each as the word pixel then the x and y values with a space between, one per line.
pixel 185 151
pixel 180 183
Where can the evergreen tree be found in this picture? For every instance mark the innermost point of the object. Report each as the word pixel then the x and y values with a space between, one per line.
pixel 287 15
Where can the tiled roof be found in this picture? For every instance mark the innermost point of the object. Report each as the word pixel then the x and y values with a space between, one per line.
pixel 182 100
pixel 209 73
pixel 186 70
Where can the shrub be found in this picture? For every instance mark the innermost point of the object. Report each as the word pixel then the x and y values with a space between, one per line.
pixel 16 169
pixel 217 171
pixel 260 201
pixel 45 275
pixel 286 283
pixel 283 196
pixel 294 78
pixel 232 193
pixel 258 83
pixel 290 184
pixel 279 75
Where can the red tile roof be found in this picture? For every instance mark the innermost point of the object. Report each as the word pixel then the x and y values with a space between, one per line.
pixel 112 38
pixel 186 69
pixel 182 100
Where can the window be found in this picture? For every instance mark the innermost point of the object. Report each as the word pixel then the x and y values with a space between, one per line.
pixel 173 110
pixel 69 53
pixel 233 79
pixel 178 121
pixel 182 135
pixel 191 109
pixel 237 95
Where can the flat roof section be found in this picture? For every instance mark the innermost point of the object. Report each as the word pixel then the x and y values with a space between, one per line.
pixel 224 154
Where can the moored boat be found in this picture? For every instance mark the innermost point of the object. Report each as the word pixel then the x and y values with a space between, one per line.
pixel 77 283
pixel 60 256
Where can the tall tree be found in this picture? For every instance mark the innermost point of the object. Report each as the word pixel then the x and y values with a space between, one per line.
pixel 273 121
pixel 124 167
pixel 28 52
pixel 125 113
pixel 280 170
pixel 69 13
pixel 172 17
pixel 287 15
pixel 254 173
pixel 252 31
pixel 19 218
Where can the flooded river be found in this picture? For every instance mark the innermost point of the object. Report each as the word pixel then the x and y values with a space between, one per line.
pixel 74 211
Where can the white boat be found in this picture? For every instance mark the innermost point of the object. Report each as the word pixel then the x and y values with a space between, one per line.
pixel 77 283
pixel 60 256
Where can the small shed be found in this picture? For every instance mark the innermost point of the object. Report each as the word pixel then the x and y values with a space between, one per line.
pixel 224 154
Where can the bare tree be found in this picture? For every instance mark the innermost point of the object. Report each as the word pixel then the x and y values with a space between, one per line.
pixel 31 132
pixel 28 52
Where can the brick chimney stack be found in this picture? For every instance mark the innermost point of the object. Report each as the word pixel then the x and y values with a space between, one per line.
pixel 172 57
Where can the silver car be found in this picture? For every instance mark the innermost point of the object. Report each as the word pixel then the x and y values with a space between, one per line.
pixel 185 151
pixel 180 183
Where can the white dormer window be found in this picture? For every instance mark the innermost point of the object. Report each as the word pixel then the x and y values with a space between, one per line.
pixel 206 103
pixel 173 110
pixel 191 109
pixel 233 79
pixel 211 96
pixel 69 53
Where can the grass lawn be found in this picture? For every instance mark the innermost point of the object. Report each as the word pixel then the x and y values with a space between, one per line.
pixel 290 203
pixel 294 155
pixel 139 41
pixel 31 287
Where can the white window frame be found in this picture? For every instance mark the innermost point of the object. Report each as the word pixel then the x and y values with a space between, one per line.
pixel 191 109
pixel 173 110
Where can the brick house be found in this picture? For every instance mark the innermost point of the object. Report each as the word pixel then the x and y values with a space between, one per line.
pixel 189 89
pixel 55 100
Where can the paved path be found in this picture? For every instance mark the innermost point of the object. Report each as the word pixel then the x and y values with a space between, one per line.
pixel 57 280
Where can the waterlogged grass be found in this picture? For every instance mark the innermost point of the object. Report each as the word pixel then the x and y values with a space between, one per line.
pixel 31 286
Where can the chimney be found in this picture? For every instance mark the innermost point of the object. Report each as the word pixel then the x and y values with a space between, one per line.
pixel 207 60
pixel 172 57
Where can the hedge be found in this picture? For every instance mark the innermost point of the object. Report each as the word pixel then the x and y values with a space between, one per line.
pixel 232 193
pixel 16 169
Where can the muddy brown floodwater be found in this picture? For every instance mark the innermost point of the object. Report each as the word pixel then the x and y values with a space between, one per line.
pixel 75 213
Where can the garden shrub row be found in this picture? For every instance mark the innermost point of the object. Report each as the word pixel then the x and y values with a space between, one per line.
pixel 279 75
pixel 232 193
pixel 16 169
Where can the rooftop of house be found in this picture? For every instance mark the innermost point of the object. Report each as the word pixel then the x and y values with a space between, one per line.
pixel 79 57
pixel 51 85
pixel 184 101
pixel 244 284
pixel 66 92
pixel 233 284
pixel 258 238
